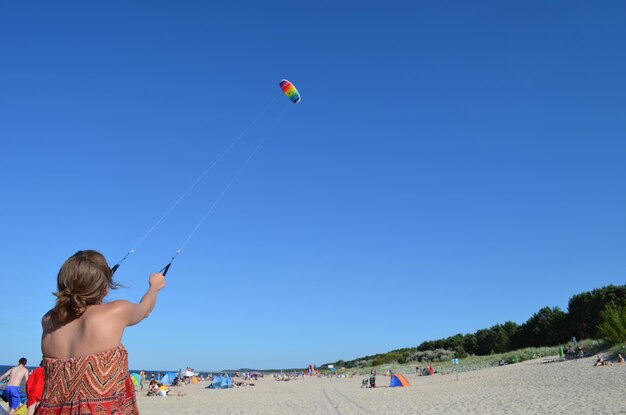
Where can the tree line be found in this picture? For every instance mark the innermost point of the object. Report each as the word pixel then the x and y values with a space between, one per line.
pixel 600 313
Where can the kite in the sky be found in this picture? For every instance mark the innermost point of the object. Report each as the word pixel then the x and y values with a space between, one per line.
pixel 290 90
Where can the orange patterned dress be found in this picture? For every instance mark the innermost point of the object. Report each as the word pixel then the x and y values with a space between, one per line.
pixel 96 384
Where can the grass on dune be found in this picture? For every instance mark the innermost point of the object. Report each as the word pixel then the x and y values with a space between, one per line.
pixel 470 363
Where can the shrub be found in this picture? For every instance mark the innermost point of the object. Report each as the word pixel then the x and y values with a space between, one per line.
pixel 436 355
pixel 613 324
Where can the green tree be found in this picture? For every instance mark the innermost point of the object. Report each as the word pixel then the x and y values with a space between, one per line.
pixel 613 323
pixel 544 328
pixel 492 340
pixel 427 345
pixel 584 309
pixel 501 339
pixel 470 344
pixel 454 343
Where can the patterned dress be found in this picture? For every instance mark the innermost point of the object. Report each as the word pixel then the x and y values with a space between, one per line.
pixel 96 384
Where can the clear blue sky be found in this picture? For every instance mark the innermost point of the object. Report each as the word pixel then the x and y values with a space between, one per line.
pixel 452 165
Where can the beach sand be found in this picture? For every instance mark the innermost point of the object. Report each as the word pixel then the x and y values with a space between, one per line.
pixel 533 387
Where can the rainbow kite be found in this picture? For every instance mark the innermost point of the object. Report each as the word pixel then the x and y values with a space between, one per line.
pixel 290 90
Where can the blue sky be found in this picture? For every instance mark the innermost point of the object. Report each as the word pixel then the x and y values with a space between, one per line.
pixel 452 165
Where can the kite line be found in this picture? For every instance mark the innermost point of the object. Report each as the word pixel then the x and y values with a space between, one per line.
pixel 290 91
pixel 194 184
pixel 230 183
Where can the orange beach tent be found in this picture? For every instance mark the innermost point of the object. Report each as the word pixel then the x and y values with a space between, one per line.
pixel 398 380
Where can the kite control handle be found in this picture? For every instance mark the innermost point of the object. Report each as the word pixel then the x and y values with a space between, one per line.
pixel 116 266
pixel 165 269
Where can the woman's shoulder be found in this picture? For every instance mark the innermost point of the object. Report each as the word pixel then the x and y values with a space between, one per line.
pixel 116 307
pixel 110 313
pixel 46 319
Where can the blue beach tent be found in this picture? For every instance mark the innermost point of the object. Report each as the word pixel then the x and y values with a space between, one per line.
pixel 168 378
pixel 220 382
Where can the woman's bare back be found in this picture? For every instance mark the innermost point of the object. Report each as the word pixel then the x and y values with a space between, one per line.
pixel 100 328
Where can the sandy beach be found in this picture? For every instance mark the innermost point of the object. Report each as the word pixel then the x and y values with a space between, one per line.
pixel 538 386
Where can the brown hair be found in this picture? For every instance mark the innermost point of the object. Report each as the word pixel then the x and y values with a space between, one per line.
pixel 83 280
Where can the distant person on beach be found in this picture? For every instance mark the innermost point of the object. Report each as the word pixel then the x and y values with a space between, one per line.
pixel 142 375
pixel 16 375
pixel 34 389
pixel 153 388
pixel 600 362
pixel 373 378
pixel 620 359
pixel 81 341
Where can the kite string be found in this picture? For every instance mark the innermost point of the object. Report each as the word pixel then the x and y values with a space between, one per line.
pixel 195 183
pixel 116 266
pixel 232 180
